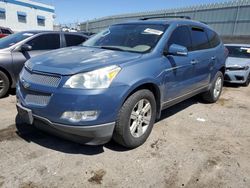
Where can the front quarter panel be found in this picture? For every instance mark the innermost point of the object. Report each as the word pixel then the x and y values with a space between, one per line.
pixel 149 70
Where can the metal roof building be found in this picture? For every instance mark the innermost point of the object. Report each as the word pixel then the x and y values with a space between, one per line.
pixel 228 19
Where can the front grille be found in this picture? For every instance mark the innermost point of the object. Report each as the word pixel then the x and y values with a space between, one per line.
pixel 40 100
pixel 40 79
pixel 235 68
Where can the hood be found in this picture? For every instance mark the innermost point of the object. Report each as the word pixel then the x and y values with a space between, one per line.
pixel 74 60
pixel 233 61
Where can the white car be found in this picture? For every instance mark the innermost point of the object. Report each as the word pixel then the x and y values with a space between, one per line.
pixel 238 64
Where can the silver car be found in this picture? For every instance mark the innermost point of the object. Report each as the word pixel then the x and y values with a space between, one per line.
pixel 238 64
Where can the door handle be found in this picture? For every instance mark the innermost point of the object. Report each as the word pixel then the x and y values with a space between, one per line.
pixel 213 58
pixel 193 62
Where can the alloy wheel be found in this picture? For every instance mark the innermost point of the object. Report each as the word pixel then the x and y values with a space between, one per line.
pixel 140 118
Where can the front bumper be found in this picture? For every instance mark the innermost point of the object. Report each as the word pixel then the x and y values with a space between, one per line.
pixel 90 135
pixel 48 104
pixel 237 77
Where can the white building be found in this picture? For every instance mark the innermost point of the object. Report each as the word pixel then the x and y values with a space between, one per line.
pixel 20 15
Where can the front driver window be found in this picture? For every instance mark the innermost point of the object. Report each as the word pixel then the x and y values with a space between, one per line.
pixel 181 36
pixel 45 42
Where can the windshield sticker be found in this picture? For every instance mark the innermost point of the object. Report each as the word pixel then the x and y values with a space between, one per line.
pixel 152 31
pixel 28 34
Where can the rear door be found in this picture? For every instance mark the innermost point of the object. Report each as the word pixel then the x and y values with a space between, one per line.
pixel 179 78
pixel 73 39
pixel 40 44
pixel 202 57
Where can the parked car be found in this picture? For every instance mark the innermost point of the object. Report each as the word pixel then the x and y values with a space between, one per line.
pixel 18 48
pixel 4 32
pixel 238 64
pixel 117 83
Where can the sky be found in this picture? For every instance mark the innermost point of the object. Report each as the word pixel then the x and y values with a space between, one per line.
pixel 72 11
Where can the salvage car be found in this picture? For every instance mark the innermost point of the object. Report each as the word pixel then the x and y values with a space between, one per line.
pixel 117 83
pixel 4 32
pixel 238 64
pixel 16 49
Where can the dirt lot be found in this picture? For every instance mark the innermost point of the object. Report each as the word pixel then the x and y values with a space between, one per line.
pixel 194 145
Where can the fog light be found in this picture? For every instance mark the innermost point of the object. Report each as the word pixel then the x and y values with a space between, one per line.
pixel 77 116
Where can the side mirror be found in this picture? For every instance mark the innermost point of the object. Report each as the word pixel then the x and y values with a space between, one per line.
pixel 25 48
pixel 177 50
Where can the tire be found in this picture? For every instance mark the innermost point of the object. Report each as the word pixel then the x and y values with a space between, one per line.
pixel 247 82
pixel 126 132
pixel 4 84
pixel 211 96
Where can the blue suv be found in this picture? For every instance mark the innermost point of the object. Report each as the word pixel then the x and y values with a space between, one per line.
pixel 116 84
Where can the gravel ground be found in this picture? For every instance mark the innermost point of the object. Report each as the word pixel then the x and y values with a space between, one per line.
pixel 193 145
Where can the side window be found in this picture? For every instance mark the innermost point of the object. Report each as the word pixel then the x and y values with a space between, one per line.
pixel 74 40
pixel 6 31
pixel 199 39
pixel 213 38
pixel 45 42
pixel 181 36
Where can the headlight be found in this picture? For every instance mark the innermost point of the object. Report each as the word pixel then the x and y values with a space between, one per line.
pixel 97 79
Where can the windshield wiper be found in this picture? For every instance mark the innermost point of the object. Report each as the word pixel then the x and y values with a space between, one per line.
pixel 111 48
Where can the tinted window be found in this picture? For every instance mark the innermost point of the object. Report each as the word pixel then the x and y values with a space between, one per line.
pixel 181 36
pixel 239 51
pixel 74 40
pixel 213 38
pixel 199 39
pixel 6 31
pixel 45 42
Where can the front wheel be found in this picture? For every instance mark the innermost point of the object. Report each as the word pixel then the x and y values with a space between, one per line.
pixel 213 94
pixel 4 84
pixel 135 120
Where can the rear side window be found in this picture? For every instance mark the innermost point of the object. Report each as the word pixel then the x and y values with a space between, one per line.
pixel 181 36
pixel 213 38
pixel 199 39
pixel 74 40
pixel 45 42
pixel 6 31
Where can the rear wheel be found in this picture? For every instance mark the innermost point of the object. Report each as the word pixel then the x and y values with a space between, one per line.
pixel 213 94
pixel 247 82
pixel 4 84
pixel 135 119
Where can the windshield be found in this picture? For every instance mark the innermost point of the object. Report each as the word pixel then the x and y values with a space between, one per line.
pixel 239 51
pixel 13 39
pixel 128 37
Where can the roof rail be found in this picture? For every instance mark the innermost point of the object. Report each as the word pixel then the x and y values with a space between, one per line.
pixel 153 17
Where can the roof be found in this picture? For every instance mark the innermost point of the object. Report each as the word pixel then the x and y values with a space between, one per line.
pixel 166 21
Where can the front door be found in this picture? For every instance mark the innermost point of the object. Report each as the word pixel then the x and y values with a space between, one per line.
pixel 40 44
pixel 179 76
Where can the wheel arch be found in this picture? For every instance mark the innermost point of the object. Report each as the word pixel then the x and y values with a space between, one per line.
pixel 153 87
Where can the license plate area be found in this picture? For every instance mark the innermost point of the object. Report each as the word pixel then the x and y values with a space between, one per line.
pixel 25 114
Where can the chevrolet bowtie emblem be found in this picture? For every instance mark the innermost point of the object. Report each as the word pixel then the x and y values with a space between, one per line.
pixel 26 85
